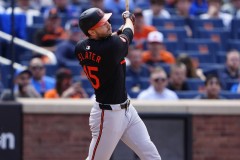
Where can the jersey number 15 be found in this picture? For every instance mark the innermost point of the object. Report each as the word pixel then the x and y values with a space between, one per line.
pixel 89 70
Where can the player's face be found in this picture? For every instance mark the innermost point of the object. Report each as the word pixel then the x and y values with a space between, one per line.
pixel 104 30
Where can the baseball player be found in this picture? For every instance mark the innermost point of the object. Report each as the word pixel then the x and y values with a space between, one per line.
pixel 112 117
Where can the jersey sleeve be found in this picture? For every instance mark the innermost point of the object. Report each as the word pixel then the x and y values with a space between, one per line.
pixel 127 34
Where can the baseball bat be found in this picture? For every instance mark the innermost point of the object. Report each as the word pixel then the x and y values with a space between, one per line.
pixel 127 5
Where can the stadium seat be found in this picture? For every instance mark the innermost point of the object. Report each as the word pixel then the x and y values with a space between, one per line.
pixel 230 83
pixel 234 44
pixel 170 23
pixel 134 87
pixel 176 34
pixel 173 46
pixel 230 95
pixel 195 84
pixel 200 58
pixel 187 94
pixel 203 46
pixel 51 70
pixel 207 24
pixel 219 36
pixel 75 68
pixel 235 28
pixel 211 68
pixel 31 30
pixel 221 57
pixel 5 75
pixel 19 27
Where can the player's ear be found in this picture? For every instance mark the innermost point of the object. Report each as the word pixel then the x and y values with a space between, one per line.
pixel 91 32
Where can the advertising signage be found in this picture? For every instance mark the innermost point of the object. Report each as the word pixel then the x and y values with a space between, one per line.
pixel 10 131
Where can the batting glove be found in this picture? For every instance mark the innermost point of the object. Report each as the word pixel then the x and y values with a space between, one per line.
pixel 127 14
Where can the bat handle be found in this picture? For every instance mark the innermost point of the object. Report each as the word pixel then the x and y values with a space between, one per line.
pixel 127 5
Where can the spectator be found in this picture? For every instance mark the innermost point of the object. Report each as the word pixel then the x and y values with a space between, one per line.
pixel 212 88
pixel 65 88
pixel 137 72
pixel 141 30
pixel 157 90
pixel 117 6
pixel 98 4
pixel 236 87
pixel 170 4
pixel 233 7
pixel 65 8
pixel 156 10
pixel 41 5
pixel 214 11
pixel 24 7
pixel 65 50
pixel 198 7
pixel 52 32
pixel 23 87
pixel 192 71
pixel 156 50
pixel 177 80
pixel 40 81
pixel 182 10
pixel 231 71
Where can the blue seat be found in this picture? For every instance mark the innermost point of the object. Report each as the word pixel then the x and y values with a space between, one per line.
pixel 203 46
pixel 173 46
pixel 234 44
pixel 75 68
pixel 200 58
pixel 31 30
pixel 134 87
pixel 5 75
pixel 219 36
pixel 235 28
pixel 230 95
pixel 221 57
pixel 211 68
pixel 187 94
pixel 51 70
pixel 176 34
pixel 38 20
pixel 170 23
pixel 194 84
pixel 207 24
pixel 230 83
pixel 19 26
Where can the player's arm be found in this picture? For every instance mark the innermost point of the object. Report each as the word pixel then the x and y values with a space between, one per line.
pixel 128 27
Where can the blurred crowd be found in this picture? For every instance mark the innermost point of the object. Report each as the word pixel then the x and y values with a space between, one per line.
pixel 160 64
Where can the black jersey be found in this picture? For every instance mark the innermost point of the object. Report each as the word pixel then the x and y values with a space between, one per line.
pixel 104 64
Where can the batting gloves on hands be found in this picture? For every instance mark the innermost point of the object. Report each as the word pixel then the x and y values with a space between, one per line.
pixel 127 14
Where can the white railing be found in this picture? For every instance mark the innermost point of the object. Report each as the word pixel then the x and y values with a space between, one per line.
pixel 8 62
pixel 30 46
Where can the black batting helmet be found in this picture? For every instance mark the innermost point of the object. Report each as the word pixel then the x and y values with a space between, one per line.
pixel 92 18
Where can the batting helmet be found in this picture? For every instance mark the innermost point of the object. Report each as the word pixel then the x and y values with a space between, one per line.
pixel 92 18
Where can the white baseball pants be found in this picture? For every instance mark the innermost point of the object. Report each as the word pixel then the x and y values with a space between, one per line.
pixel 109 126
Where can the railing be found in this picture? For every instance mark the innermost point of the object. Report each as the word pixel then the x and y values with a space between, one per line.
pixel 8 62
pixel 30 46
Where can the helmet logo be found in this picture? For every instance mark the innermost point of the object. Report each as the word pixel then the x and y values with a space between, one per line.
pixel 100 13
pixel 88 48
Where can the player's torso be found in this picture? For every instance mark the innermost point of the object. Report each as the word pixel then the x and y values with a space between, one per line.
pixel 104 65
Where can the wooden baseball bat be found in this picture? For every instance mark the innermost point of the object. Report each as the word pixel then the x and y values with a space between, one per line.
pixel 127 5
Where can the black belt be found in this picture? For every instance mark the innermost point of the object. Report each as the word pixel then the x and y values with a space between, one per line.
pixel 109 107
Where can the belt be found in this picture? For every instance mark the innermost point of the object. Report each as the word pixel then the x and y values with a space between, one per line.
pixel 124 105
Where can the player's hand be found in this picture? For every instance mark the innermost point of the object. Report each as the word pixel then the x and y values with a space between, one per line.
pixel 127 14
